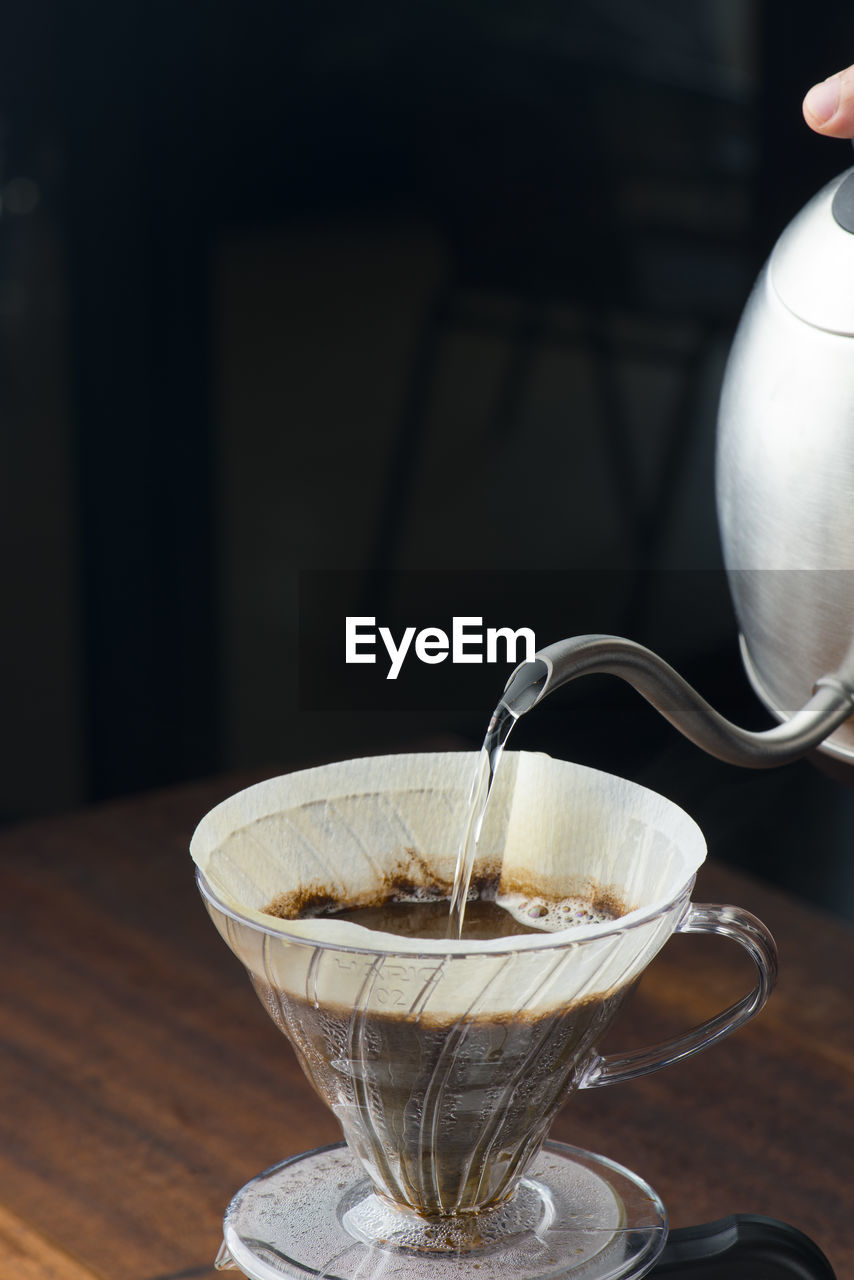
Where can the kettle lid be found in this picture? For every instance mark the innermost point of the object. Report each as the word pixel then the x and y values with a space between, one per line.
pixel 812 266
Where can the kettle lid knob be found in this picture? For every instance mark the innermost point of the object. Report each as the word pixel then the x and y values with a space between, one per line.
pixel 811 268
pixel 842 207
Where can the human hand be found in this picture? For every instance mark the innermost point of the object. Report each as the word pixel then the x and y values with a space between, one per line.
pixel 829 106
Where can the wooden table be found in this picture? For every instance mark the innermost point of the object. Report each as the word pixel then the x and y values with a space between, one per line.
pixel 142 1083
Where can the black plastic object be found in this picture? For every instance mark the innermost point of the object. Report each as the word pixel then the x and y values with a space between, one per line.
pixel 741 1247
pixel 843 204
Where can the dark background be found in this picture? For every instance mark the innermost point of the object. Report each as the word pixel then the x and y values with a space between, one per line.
pixel 426 289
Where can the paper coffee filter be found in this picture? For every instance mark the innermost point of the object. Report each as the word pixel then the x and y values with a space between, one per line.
pixel 343 830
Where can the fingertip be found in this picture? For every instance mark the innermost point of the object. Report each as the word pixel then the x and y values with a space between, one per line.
pixel 822 103
pixel 828 108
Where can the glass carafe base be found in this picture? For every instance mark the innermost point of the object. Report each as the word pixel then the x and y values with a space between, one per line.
pixel 574 1215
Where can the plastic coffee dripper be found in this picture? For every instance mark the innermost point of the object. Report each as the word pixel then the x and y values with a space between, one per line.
pixel 446 1060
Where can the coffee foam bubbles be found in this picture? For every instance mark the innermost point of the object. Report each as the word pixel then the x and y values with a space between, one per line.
pixel 537 912
pixel 550 916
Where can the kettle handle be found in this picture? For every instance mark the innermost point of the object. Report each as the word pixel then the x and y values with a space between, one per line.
pixel 557 664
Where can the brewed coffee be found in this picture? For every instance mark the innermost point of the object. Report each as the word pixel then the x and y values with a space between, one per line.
pixel 426 1083
pixel 444 1113
pixel 427 916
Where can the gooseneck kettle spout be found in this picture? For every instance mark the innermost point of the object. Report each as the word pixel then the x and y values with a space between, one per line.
pixel 831 704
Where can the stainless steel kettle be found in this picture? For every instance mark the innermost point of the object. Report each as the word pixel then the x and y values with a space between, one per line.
pixel 785 464
pixel 785 491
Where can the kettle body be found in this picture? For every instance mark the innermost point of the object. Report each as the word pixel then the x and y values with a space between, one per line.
pixel 785 462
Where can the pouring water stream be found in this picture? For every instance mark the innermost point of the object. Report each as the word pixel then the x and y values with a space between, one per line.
pixel 522 692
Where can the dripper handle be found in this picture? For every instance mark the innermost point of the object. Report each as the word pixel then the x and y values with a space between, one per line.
pixel 726 922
